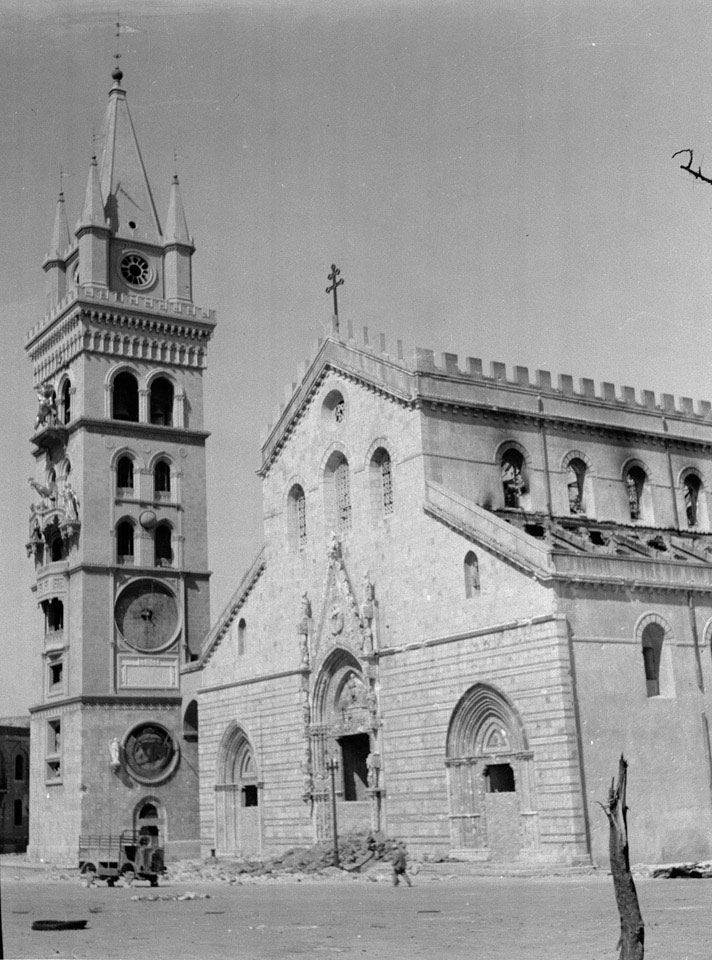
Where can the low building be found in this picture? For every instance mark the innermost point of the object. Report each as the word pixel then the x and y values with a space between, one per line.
pixel 14 784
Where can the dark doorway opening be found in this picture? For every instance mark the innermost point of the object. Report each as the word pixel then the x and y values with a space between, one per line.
pixel 250 795
pixel 499 778
pixel 354 751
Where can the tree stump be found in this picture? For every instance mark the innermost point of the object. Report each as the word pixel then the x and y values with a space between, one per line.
pixel 631 943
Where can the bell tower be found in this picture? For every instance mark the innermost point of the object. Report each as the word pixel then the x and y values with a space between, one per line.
pixel 117 528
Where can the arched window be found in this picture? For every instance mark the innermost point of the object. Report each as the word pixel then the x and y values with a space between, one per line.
pixel 162 478
pixel 514 482
pixel 652 641
pixel 163 547
pixel 241 637
pixel 472 574
pixel 125 473
pixel 56 548
pixel 576 477
pixel 382 483
pixel 635 480
pixel 692 486
pixel 66 401
pixel 161 402
pixel 54 615
pixel 125 397
pixel 125 542
pixel 297 516
pixel 190 722
pixel 20 767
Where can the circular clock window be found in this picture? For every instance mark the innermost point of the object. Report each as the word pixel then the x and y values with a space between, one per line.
pixel 135 270
pixel 150 752
pixel 146 614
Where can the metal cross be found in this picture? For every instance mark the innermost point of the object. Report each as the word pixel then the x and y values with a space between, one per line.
pixel 332 289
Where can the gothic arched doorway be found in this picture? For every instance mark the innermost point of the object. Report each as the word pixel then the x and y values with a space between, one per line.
pixel 238 828
pixel 490 781
pixel 343 716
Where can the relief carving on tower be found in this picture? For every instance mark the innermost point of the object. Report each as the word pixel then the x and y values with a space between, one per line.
pixel 56 514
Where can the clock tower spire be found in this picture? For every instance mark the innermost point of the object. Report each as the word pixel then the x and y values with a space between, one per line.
pixel 117 529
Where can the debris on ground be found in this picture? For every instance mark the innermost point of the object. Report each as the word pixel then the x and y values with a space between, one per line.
pixel 172 896
pixel 357 852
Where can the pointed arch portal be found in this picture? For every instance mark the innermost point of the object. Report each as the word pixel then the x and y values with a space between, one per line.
pixel 490 779
pixel 238 826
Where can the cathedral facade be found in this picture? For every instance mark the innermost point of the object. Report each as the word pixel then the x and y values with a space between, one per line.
pixel 117 530
pixel 477 588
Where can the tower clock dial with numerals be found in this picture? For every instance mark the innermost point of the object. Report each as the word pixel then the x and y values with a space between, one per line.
pixel 146 614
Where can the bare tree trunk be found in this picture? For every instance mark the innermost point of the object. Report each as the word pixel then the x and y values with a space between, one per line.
pixel 632 926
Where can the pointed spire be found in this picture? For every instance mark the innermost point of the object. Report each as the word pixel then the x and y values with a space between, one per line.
pixel 60 233
pixel 176 226
pixel 124 184
pixel 93 210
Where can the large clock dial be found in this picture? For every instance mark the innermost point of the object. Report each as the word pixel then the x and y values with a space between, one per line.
pixel 146 614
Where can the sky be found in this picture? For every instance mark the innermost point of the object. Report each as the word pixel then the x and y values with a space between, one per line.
pixel 493 179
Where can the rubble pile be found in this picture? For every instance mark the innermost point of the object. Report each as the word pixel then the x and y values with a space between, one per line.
pixel 356 851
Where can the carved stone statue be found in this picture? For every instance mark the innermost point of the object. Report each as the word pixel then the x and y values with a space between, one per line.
pixel 304 615
pixel 70 501
pixel 48 492
pixel 46 406
pixel 114 753
pixel 304 649
pixel 373 767
pixel 334 548
pixel 368 587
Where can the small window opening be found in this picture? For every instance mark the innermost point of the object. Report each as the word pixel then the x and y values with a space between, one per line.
pixel 354 752
pixel 535 530
pixel 597 538
pixel 161 402
pixel 250 795
pixel 499 778
pixel 163 548
pixel 693 485
pixel 241 637
pixel 56 549
pixel 162 478
pixel 513 482
pixel 125 397
pixel 54 615
pixel 17 813
pixel 19 767
pixel 635 485
pixel 125 542
pixel 56 671
pixel 342 496
pixel 190 722
pixel 575 484
pixel 125 473
pixel 66 401
pixel 653 637
pixel 472 575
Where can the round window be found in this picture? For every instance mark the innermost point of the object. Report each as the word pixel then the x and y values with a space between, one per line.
pixel 135 270
pixel 150 752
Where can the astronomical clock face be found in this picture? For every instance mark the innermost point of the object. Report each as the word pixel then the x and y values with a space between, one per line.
pixel 151 755
pixel 147 615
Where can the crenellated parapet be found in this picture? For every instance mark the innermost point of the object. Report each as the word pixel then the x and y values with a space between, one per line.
pixel 118 324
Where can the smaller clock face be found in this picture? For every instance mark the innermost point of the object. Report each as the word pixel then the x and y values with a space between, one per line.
pixel 146 614
pixel 135 270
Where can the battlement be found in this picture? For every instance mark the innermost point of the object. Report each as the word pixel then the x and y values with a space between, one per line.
pixel 473 369
pixel 421 361
pixel 185 311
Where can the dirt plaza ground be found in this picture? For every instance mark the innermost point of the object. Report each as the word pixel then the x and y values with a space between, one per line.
pixel 491 918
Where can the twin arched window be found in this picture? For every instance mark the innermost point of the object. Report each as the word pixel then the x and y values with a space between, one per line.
pixel 338 490
pixel 514 482
pixel 125 399
pixel 162 544
pixel 125 542
pixel 161 476
pixel 692 485
pixel 576 477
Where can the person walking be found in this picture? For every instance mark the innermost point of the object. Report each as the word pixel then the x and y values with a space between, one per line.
pixel 400 864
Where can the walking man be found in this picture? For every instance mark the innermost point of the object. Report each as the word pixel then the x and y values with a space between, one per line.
pixel 399 864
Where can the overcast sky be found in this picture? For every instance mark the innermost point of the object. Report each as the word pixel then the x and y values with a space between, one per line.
pixel 493 179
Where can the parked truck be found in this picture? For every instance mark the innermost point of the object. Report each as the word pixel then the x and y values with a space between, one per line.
pixel 127 855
